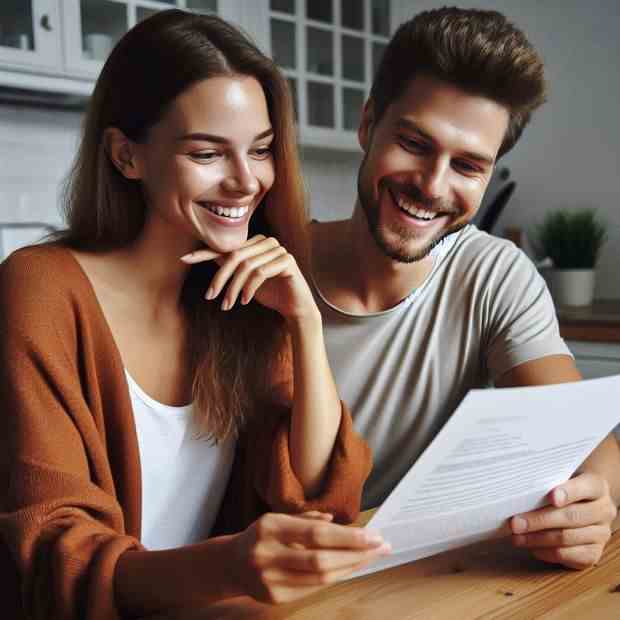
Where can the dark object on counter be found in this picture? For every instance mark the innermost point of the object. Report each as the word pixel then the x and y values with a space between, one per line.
pixel 494 210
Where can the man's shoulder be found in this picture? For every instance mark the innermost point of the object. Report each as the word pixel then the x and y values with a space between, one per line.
pixel 473 248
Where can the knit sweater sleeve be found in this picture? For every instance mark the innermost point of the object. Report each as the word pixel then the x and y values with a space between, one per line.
pixel 60 519
pixel 263 479
pixel 275 480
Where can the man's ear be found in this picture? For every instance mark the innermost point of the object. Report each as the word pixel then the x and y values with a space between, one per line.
pixel 122 152
pixel 365 128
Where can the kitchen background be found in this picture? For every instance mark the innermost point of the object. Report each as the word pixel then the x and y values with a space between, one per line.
pixel 52 50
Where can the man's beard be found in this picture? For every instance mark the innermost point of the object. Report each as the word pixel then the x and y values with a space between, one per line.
pixel 398 250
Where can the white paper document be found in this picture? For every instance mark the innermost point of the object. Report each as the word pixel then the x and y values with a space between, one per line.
pixel 500 453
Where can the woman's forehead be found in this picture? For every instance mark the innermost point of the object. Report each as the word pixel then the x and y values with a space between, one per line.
pixel 230 105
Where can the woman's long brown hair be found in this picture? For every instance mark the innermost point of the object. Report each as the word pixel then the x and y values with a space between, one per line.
pixel 234 354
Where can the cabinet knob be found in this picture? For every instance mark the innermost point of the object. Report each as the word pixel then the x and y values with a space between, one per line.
pixel 45 23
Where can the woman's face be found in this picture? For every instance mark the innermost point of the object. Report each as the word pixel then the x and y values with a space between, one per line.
pixel 207 165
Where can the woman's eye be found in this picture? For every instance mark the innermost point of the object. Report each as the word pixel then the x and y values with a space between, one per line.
pixel 262 152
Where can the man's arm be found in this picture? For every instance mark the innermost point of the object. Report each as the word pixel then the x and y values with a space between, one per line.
pixel 574 529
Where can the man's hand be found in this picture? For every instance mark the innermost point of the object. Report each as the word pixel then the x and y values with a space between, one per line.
pixel 574 529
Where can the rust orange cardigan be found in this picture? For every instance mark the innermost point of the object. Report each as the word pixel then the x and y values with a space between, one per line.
pixel 71 488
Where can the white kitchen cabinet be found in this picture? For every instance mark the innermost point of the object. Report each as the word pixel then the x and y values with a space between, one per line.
pixel 65 42
pixel 93 27
pixel 328 49
pixel 30 35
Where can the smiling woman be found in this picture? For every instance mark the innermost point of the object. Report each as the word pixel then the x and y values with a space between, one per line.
pixel 149 390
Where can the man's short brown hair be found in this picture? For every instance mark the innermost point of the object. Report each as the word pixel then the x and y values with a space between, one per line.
pixel 480 52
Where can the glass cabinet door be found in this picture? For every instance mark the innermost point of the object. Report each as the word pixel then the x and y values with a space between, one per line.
pixel 329 49
pixel 95 26
pixel 30 33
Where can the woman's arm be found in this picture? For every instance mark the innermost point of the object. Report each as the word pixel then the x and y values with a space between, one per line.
pixel 262 269
pixel 278 558
pixel 316 407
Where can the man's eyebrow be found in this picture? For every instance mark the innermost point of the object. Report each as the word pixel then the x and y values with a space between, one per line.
pixel 405 123
pixel 209 137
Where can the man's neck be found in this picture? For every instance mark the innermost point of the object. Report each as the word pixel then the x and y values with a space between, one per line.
pixel 354 274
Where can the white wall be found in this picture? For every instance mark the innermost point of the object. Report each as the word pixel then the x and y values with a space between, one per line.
pixel 36 150
pixel 569 155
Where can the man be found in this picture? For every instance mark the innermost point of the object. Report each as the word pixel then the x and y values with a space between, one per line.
pixel 418 306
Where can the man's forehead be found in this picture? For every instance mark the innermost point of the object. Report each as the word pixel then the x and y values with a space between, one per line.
pixel 435 108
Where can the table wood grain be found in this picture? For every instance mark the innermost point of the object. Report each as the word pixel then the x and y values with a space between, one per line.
pixel 490 580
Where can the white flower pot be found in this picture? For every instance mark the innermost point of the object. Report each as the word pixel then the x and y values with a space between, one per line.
pixel 572 287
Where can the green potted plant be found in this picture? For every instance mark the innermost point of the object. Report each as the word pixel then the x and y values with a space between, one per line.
pixel 572 239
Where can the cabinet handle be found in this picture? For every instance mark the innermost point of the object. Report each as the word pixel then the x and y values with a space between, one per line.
pixel 45 23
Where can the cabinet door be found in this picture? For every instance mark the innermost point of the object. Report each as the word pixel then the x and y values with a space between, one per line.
pixel 30 34
pixel 93 27
pixel 328 49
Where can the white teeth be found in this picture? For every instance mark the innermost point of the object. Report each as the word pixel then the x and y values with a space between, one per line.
pixel 423 214
pixel 233 212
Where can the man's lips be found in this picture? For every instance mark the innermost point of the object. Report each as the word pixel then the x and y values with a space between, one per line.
pixel 415 210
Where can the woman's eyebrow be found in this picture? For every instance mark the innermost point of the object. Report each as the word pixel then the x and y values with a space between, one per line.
pixel 209 137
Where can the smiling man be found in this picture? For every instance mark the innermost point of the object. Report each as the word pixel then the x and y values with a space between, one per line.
pixel 418 305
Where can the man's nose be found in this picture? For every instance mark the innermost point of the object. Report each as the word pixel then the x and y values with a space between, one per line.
pixel 434 178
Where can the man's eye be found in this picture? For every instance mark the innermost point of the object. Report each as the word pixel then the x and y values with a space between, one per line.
pixel 204 155
pixel 466 167
pixel 413 145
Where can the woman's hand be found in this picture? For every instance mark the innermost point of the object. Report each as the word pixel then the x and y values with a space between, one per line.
pixel 260 269
pixel 281 558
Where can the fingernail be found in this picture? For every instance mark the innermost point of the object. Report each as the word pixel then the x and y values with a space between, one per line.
pixel 560 496
pixel 519 524
pixel 385 549
pixel 225 304
pixel 374 538
pixel 185 258
pixel 209 294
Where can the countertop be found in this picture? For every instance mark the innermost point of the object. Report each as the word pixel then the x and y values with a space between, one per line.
pixel 599 322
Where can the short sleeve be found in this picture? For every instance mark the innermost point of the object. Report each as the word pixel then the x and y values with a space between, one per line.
pixel 523 324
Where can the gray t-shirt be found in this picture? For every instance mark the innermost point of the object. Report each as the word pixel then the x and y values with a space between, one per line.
pixel 482 310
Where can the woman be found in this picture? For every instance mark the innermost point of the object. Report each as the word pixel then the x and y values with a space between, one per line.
pixel 167 289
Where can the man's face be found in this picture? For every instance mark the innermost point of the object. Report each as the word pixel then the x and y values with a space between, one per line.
pixel 427 164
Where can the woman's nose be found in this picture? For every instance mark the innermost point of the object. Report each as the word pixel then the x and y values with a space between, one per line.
pixel 241 178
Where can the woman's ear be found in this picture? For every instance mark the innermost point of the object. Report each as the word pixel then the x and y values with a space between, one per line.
pixel 122 152
pixel 364 130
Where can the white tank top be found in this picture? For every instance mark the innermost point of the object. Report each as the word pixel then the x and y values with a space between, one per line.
pixel 183 478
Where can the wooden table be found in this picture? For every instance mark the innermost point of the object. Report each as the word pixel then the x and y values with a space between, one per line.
pixel 486 580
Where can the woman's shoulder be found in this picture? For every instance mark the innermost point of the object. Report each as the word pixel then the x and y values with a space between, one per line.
pixel 39 279
pixel 50 264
